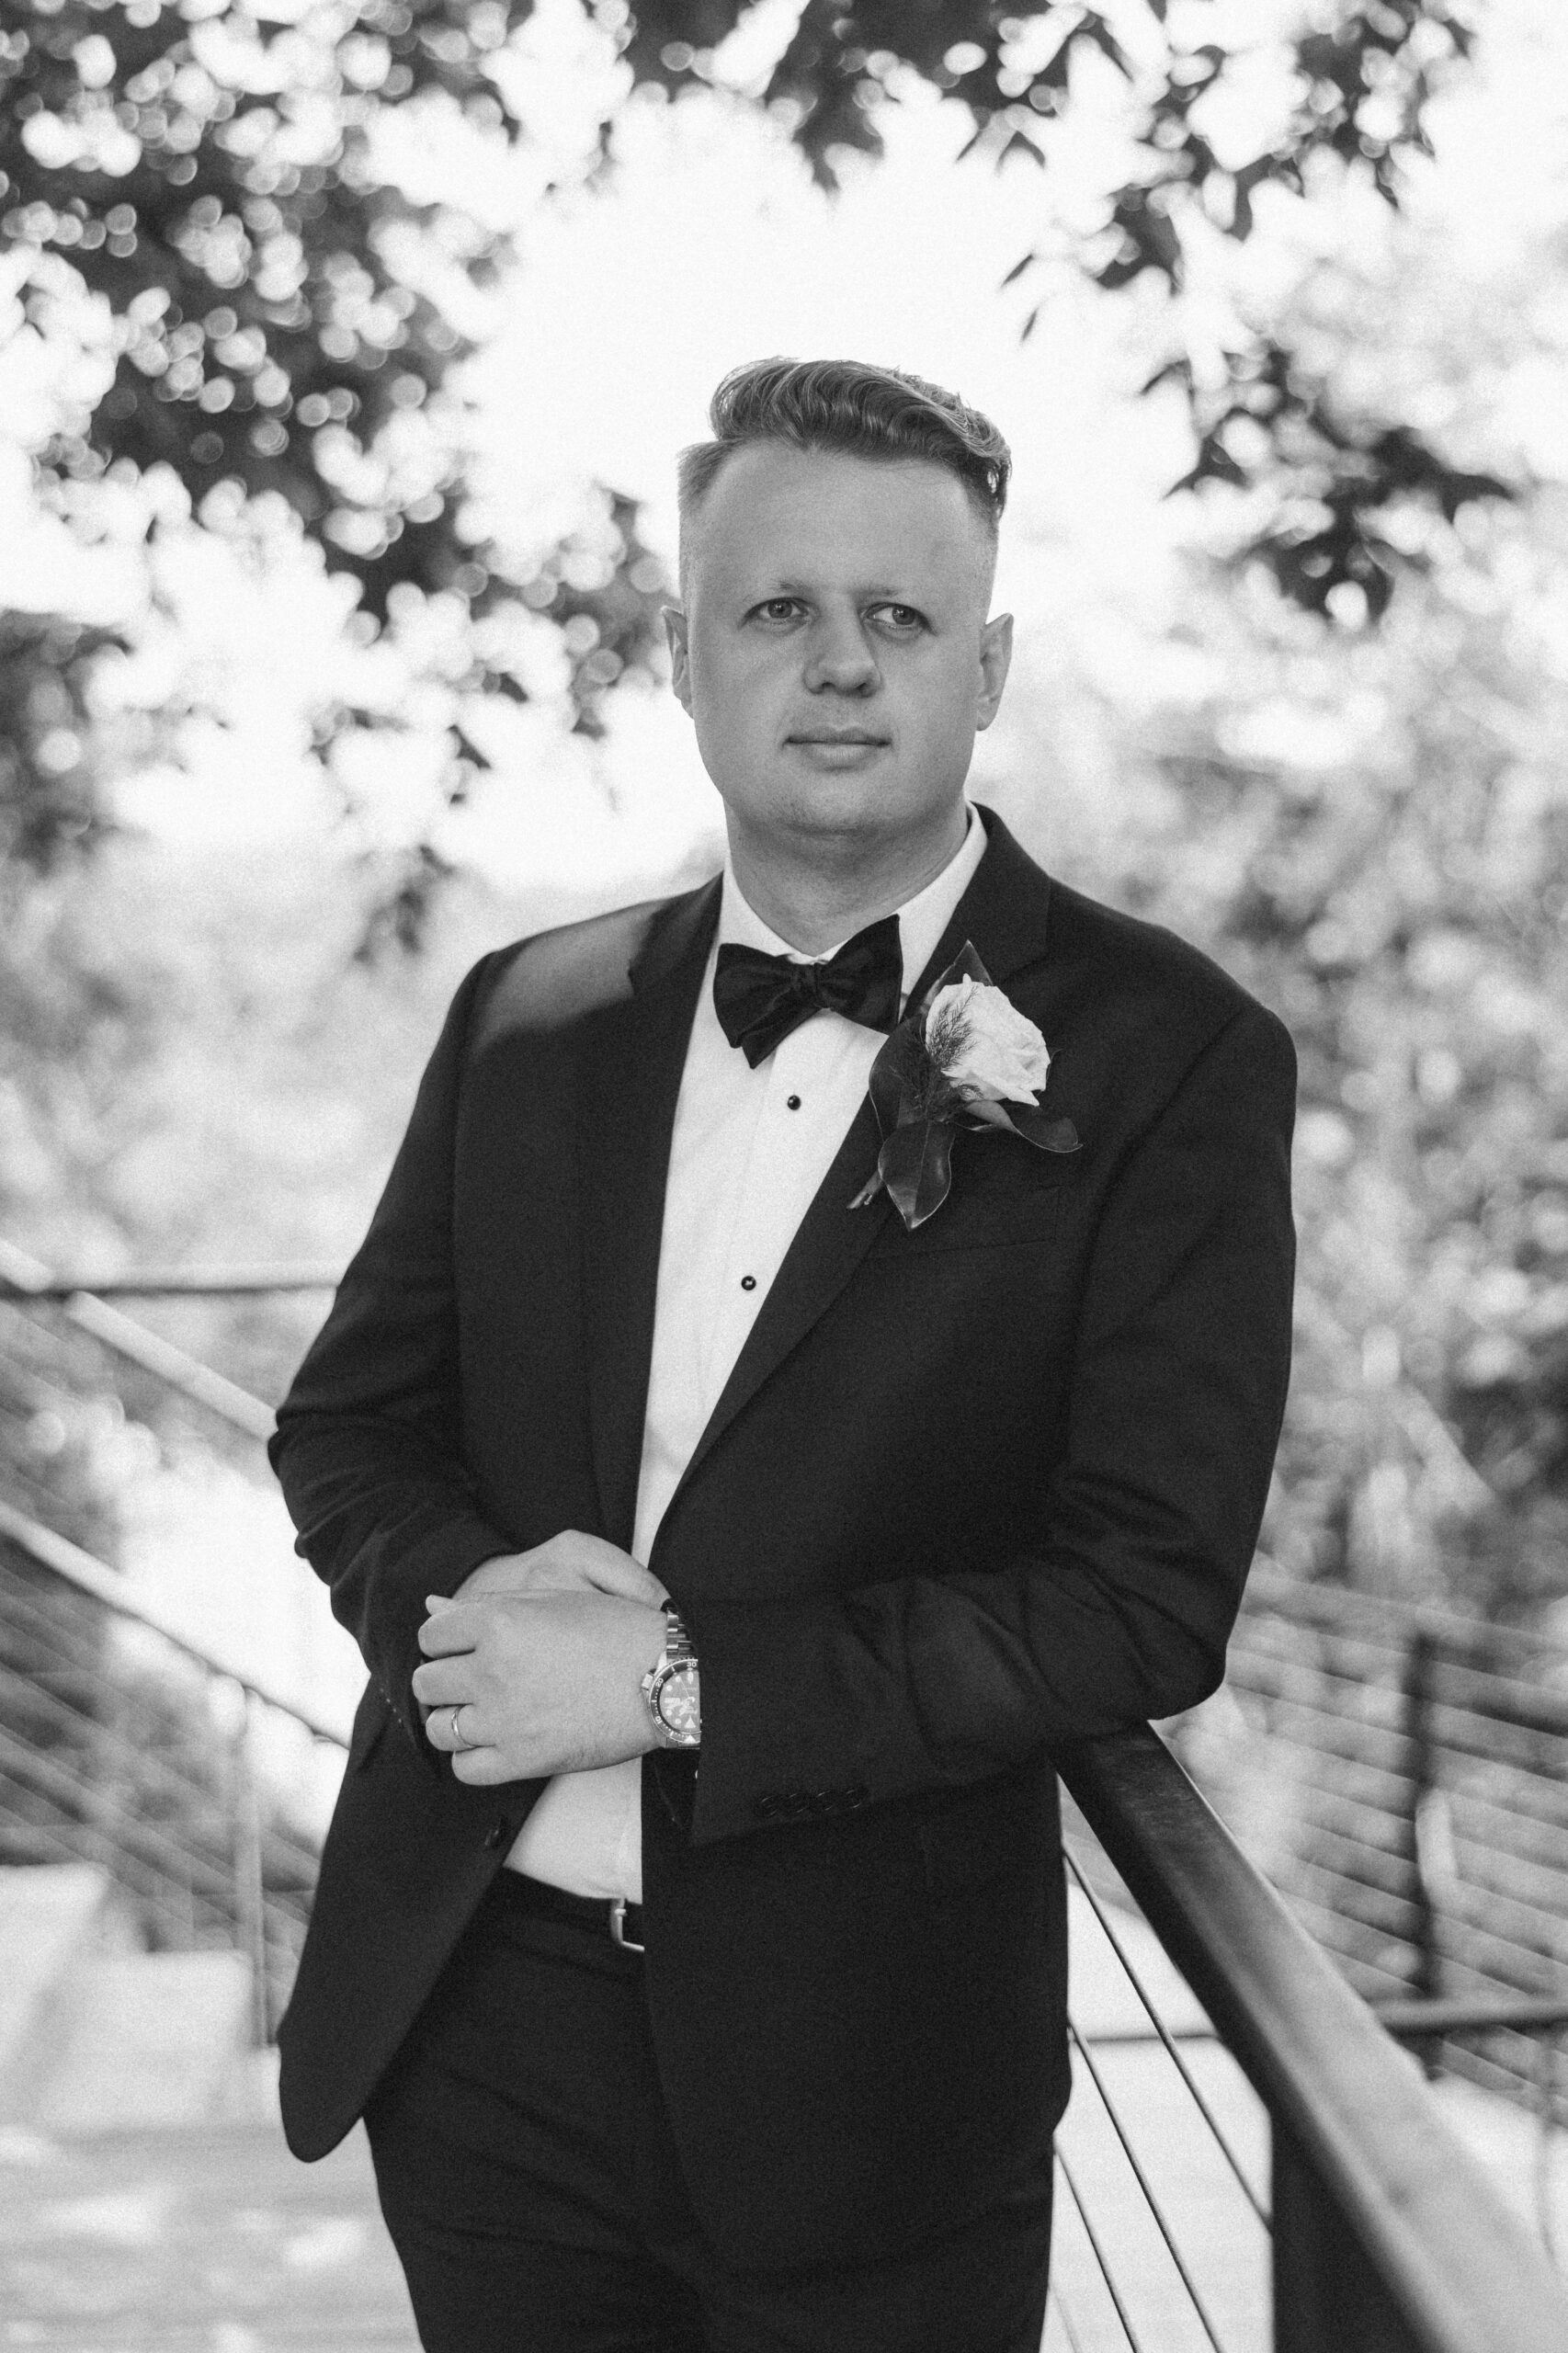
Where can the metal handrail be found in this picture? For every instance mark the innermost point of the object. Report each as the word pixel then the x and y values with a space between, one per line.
pixel 287 1278
pixel 29 1281
pixel 158 1777
pixel 71 1564
pixel 1387 2231
pixel 1366 2171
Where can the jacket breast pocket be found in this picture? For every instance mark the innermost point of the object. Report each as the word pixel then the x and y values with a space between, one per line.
pixel 992 1219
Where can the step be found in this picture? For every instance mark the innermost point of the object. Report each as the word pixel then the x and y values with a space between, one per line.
pixel 211 2240
pixel 50 1916
pixel 151 2040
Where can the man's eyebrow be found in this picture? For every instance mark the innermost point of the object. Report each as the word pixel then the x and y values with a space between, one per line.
pixel 870 591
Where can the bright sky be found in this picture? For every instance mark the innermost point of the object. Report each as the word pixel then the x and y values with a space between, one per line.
pixel 708 245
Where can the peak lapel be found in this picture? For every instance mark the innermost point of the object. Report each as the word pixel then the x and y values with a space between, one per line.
pixel 1004 911
pixel 631 1086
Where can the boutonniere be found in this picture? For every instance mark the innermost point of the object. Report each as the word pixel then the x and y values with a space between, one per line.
pixel 964 1058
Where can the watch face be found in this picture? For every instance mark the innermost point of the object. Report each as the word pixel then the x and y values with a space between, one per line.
pixel 680 1704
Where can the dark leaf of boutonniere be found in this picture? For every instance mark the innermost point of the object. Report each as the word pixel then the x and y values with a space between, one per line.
pixel 893 1075
pixel 1038 1126
pixel 916 1163
pixel 966 966
pixel 919 1107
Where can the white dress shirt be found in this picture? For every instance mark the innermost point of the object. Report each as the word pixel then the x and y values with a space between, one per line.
pixel 749 1151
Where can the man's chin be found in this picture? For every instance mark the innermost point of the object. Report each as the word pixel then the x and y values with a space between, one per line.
pixel 838 818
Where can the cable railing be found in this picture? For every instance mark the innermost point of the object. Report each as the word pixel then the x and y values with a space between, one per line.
pixel 1384 2232
pixel 27 1280
pixel 1401 1774
pixel 1389 2200
pixel 1259 2166
pixel 164 1771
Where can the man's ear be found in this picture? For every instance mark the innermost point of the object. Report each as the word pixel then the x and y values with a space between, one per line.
pixel 995 657
pixel 680 658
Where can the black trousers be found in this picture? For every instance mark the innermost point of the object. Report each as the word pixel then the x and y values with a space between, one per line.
pixel 533 2193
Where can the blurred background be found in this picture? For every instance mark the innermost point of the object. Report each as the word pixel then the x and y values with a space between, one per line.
pixel 345 349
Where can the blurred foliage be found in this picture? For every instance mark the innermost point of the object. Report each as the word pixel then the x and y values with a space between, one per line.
pixel 186 1051
pixel 1375 842
pixel 277 300
pixel 285 314
pixel 1371 832
pixel 48 785
pixel 1332 484
pixel 1403 899
pixel 209 171
pixel 1369 826
pixel 1363 82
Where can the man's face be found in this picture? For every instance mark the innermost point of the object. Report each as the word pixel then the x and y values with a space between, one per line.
pixel 834 652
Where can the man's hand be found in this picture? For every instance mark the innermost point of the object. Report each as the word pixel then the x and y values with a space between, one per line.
pixel 570 1563
pixel 541 1654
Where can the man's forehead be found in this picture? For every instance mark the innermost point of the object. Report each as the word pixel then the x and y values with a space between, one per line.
pixel 775 508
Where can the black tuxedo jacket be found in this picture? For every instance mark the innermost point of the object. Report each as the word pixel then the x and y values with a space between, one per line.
pixel 969 1494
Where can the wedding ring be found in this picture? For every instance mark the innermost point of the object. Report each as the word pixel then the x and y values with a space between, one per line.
pixel 458 1740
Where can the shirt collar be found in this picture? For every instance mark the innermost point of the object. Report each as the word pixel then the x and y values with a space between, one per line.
pixel 921 920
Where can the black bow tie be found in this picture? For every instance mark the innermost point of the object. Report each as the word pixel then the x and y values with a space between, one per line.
pixel 759 999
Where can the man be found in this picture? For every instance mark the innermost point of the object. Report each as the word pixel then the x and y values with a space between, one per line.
pixel 701 1970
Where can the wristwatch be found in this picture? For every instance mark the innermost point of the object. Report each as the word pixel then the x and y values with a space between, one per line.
pixel 670 1688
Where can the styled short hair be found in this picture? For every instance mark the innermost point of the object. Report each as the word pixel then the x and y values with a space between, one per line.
pixel 847 404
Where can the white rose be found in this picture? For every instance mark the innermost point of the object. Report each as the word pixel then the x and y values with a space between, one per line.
pixel 986 1046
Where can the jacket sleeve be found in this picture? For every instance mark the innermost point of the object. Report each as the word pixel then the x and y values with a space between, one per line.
pixel 369 1441
pixel 1120 1612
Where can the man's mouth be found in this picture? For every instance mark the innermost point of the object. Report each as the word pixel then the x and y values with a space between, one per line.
pixel 834 735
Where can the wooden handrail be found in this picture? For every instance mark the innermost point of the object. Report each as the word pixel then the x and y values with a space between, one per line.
pixel 1461 2273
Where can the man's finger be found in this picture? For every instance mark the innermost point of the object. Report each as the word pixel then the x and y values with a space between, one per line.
pixel 628 1579
pixel 602 1565
pixel 443 1683
pixel 456 1726
pixel 456 1629
pixel 480 1767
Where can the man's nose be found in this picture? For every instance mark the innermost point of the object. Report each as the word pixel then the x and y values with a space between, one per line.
pixel 841 658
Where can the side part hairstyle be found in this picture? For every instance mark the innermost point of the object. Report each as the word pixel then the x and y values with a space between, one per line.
pixel 848 406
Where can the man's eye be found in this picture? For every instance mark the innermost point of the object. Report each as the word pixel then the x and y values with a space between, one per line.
pixel 776 608
pixel 899 616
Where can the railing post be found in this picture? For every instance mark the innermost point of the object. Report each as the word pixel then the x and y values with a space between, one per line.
pixel 1548 2061
pixel 1426 1982
pixel 1327 2297
pixel 250 1894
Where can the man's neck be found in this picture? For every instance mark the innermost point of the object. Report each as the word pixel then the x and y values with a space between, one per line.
pixel 814 905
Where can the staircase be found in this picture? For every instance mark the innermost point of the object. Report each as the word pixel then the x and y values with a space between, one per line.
pixel 146 2198
pixel 123 1747
pixel 96 2035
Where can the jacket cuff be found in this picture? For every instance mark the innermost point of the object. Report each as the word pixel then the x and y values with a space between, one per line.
pixel 437 1563
pixel 766 1761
